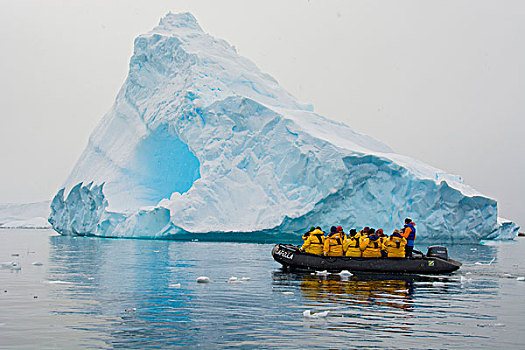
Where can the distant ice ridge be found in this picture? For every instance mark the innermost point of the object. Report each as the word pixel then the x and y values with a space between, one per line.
pixel 27 215
pixel 200 140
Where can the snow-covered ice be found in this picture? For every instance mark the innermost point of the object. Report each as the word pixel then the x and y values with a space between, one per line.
pixel 203 279
pixel 30 215
pixel 310 314
pixel 345 273
pixel 200 140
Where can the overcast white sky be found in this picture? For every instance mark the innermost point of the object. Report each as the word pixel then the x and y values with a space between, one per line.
pixel 441 81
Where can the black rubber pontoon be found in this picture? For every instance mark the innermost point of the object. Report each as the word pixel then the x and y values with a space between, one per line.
pixel 291 257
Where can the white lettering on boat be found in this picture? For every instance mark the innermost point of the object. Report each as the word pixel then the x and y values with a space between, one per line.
pixel 282 253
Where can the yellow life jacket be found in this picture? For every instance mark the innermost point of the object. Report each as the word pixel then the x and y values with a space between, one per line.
pixel 351 247
pixel 371 248
pixel 395 247
pixel 314 243
pixel 333 245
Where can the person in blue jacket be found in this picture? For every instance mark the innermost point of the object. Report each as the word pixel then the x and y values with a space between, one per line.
pixel 409 232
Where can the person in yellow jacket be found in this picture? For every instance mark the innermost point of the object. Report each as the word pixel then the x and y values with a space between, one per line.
pixel 395 245
pixel 382 236
pixel 307 234
pixel 333 243
pixel 371 246
pixel 314 244
pixel 341 232
pixel 351 244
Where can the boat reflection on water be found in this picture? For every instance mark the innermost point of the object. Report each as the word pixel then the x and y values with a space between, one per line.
pixel 389 291
pixel 383 302
pixel 355 290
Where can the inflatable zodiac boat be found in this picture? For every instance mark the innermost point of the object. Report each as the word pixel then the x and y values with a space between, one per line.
pixel 434 262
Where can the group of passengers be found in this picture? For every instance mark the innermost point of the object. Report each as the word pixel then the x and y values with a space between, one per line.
pixel 367 243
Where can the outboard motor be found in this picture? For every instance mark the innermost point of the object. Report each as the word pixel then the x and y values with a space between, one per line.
pixel 437 251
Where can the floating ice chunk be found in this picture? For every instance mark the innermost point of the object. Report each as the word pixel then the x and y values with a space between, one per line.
pixel 245 278
pixel 345 273
pixel 309 314
pixel 438 284
pixel 234 280
pixel 176 285
pixel 131 309
pixel 508 275
pixel 322 273
pixel 520 279
pixel 464 280
pixel 156 251
pixel 203 279
pixel 288 293
pixel 7 264
pixel 37 263
pixel 487 264
pixel 491 325
pixel 473 249
pixel 58 282
pixel 16 267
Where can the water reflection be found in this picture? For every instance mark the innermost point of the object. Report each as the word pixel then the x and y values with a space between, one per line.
pixel 126 293
pixel 358 291
pixel 124 285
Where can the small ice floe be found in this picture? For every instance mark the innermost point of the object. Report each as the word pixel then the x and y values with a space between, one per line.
pixel 91 278
pixel 245 278
pixel 508 275
pixel 402 291
pixel 345 273
pixel 176 285
pixel 58 282
pixel 322 273
pixel 195 240
pixel 521 278
pixel 309 314
pixel 156 251
pixel 131 309
pixel 234 280
pixel 491 325
pixel 473 249
pixel 16 267
pixel 7 264
pixel 203 279
pixel 486 264
pixel 37 263
pixel 288 293
pixel 464 279
pixel 438 284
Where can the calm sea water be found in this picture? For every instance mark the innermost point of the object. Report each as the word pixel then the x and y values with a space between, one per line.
pixel 116 293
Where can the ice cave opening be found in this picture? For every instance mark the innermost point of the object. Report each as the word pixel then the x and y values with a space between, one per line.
pixel 163 164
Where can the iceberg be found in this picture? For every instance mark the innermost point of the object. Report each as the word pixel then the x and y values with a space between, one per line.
pixel 26 215
pixel 200 141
